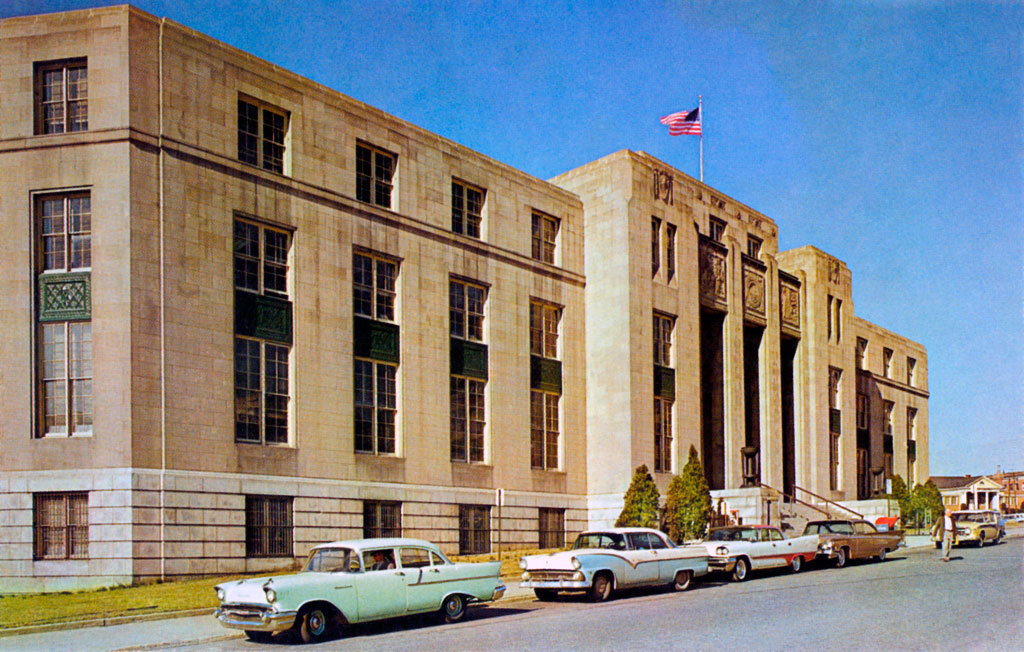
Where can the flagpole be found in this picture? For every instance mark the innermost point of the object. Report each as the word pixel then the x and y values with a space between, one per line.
pixel 700 112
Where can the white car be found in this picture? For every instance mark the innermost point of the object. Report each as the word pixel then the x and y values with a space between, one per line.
pixel 741 548
pixel 601 561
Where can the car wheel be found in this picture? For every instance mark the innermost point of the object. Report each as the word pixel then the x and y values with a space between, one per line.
pixel 742 569
pixel 315 625
pixel 545 595
pixel 796 563
pixel 454 608
pixel 881 554
pixel 257 636
pixel 841 558
pixel 682 580
pixel 601 588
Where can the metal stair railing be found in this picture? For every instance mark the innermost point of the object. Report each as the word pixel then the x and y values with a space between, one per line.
pixel 827 503
pixel 796 500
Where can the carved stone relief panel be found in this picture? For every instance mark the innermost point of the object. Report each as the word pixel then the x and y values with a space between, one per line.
pixel 712 273
pixel 789 304
pixel 663 187
pixel 753 291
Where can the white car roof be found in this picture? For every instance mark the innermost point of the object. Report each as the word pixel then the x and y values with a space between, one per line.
pixel 363 544
pixel 623 530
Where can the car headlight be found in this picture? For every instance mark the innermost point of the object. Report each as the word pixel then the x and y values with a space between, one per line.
pixel 576 563
pixel 578 576
pixel 271 595
pixel 522 563
pixel 220 594
pixel 526 576
pixel 722 550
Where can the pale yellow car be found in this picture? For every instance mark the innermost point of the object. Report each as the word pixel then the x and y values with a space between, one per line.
pixel 975 526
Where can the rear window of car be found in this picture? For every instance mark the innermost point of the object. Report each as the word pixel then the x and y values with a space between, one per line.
pixel 862 527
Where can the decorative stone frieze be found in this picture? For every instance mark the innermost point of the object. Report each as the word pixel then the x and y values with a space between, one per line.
pixel 713 286
pixel 753 290
pixel 789 301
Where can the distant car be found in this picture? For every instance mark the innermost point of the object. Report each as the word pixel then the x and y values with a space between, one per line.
pixel 353 582
pixel 741 548
pixel 977 526
pixel 602 561
pixel 1015 518
pixel 843 540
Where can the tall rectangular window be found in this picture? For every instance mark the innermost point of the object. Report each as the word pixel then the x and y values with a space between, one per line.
pixel 376 407
pixel 64 228
pixel 262 130
pixel 544 430
pixel 887 407
pixel 61 90
pixel 887 362
pixel 375 172
pixel 833 461
pixel 374 282
pixel 262 366
pixel 544 323
pixel 60 525
pixel 268 526
pixel 474 529
pixel 467 208
pixel 753 246
pixel 862 352
pixel 466 310
pixel 834 377
pixel 261 258
pixel 670 251
pixel 468 419
pixel 716 229
pixel 662 435
pixel 911 424
pixel 65 366
pixel 663 325
pixel 863 412
pixel 262 391
pixel 550 528
pixel 839 320
pixel 382 519
pixel 911 369
pixel 831 316
pixel 545 237
pixel 655 245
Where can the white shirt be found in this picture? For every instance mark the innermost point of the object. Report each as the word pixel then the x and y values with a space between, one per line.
pixel 947 523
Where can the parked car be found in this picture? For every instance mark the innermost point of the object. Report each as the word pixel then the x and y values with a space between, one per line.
pixel 353 582
pixel 842 540
pixel 977 526
pixel 602 561
pixel 738 549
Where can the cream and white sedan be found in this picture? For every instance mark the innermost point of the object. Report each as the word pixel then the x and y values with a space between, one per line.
pixel 741 548
pixel 353 582
pixel 601 561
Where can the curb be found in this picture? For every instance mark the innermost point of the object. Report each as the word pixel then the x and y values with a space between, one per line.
pixel 103 622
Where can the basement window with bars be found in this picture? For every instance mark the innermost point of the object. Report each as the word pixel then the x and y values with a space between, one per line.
pixel 551 528
pixel 474 529
pixel 382 519
pixel 268 526
pixel 60 525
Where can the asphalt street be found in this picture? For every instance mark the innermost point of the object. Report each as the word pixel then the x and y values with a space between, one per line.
pixel 912 601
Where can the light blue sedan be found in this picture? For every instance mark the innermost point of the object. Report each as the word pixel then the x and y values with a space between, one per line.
pixel 602 561
pixel 357 581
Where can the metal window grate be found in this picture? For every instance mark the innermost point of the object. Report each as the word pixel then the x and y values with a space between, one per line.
pixel 382 519
pixel 61 526
pixel 268 526
pixel 474 529
pixel 551 527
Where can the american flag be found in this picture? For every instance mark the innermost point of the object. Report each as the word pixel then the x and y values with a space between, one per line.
pixel 683 122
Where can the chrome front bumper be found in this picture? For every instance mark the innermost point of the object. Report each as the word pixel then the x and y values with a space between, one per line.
pixel 499 591
pixel 721 564
pixel 254 619
pixel 564 585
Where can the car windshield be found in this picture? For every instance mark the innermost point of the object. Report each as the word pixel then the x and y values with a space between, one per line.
pixel 607 540
pixel 332 560
pixel 727 534
pixel 969 517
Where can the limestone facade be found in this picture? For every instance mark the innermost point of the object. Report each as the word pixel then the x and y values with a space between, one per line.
pixel 271 261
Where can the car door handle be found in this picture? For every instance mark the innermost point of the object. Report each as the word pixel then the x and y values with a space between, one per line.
pixel 400 573
pixel 434 570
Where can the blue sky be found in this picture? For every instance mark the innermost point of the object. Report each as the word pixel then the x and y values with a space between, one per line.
pixel 889 134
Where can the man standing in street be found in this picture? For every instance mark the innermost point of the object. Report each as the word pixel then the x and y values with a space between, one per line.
pixel 945 529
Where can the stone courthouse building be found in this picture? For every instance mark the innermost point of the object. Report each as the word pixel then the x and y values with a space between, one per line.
pixel 243 314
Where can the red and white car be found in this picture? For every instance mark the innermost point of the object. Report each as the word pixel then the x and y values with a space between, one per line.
pixel 741 548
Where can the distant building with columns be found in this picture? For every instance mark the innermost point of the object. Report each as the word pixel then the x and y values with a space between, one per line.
pixel 969 491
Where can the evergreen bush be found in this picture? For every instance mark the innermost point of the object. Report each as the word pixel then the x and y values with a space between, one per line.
pixel 688 503
pixel 640 508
